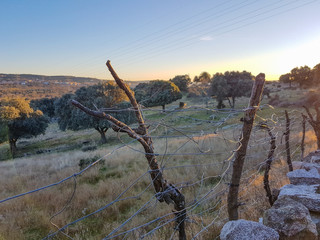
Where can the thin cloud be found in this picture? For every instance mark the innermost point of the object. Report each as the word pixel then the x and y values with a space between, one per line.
pixel 206 38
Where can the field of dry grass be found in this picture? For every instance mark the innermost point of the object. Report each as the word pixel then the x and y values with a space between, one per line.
pixel 193 151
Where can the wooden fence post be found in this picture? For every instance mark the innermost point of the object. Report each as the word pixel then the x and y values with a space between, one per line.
pixel 287 138
pixel 238 161
pixel 304 117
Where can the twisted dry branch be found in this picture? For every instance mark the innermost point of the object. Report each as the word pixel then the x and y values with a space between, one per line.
pixel 315 123
pixel 268 162
pixel 165 192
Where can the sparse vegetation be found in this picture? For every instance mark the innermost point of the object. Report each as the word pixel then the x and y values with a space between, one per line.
pixel 102 183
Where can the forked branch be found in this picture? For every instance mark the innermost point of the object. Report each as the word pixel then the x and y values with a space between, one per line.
pixel 315 123
pixel 142 128
pixel 266 183
pixel 165 192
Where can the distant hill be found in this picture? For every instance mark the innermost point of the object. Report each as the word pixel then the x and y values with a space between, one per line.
pixel 32 86
pixel 39 78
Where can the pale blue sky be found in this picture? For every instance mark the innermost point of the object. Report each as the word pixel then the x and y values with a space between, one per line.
pixel 148 39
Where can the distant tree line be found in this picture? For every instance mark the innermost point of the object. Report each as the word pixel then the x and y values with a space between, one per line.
pixel 221 86
pixel 304 76
pixel 20 118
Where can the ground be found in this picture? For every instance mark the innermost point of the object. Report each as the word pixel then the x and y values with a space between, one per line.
pixel 194 145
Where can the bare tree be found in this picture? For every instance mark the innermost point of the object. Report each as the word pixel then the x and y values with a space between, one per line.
pixel 165 192
pixel 248 120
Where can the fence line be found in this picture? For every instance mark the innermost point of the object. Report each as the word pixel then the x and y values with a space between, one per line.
pixel 203 195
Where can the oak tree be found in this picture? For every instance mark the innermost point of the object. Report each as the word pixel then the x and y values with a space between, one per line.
pixel 105 96
pixel 231 85
pixel 182 81
pixel 302 76
pixel 21 120
pixel 157 93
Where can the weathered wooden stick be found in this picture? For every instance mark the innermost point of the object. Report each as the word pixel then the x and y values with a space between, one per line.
pixel 131 97
pixel 287 138
pixel 266 184
pixel 238 162
pixel 315 123
pixel 304 117
pixel 165 191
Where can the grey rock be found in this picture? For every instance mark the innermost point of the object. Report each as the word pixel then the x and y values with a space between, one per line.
pixel 313 157
pixel 297 165
pixel 307 195
pixel 304 165
pixel 291 220
pixel 244 230
pixel 302 176
pixel 316 219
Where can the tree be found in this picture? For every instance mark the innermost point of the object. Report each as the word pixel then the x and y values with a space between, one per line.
pixel 182 81
pixel 302 76
pixel 3 132
pixel 316 75
pixel 240 84
pixel 46 105
pixel 219 88
pixel 21 120
pixel 157 93
pixel 236 84
pixel 105 96
pixel 204 77
pixel 286 78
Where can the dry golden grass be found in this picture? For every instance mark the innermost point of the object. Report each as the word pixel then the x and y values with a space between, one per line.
pixel 196 165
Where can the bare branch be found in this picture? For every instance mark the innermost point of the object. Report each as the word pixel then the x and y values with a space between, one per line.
pixel 304 117
pixel 142 129
pixel 268 163
pixel 118 125
pixel 309 114
pixel 315 123
pixel 165 192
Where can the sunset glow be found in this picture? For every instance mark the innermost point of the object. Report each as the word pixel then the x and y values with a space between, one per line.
pixel 158 40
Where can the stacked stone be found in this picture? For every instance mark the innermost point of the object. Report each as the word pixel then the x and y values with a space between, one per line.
pixel 296 213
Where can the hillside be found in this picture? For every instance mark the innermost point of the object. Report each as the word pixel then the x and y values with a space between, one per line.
pixel 194 146
pixel 33 86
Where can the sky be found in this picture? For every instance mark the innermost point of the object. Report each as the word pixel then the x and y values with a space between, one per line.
pixel 149 39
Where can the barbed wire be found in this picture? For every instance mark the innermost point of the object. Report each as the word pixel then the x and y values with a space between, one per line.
pixel 190 153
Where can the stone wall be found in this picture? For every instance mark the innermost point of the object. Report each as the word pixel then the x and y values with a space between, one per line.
pixel 296 213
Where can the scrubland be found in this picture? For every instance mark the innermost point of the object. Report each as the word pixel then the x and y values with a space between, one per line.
pixel 195 149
